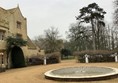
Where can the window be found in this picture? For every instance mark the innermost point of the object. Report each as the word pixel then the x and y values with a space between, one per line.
pixel 2 35
pixel 18 24
pixel 18 35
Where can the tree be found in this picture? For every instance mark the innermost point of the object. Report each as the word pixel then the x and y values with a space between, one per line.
pixel 92 14
pixel 65 53
pixel 116 12
pixel 115 28
pixel 80 37
pixel 51 41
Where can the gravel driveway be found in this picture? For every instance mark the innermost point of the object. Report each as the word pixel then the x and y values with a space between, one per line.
pixel 35 74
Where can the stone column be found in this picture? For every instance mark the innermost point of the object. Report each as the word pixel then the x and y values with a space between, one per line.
pixel 116 57
pixel 45 60
pixel 2 62
pixel 86 58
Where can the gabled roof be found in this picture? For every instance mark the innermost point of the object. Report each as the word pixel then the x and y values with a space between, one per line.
pixel 30 44
pixel 13 10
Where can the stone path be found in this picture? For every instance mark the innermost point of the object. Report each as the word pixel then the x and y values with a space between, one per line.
pixel 35 74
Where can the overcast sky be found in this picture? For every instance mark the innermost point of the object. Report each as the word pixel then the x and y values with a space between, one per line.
pixel 42 14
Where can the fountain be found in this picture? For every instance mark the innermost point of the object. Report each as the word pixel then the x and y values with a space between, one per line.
pixel 82 73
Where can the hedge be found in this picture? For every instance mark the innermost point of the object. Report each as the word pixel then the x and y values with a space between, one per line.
pixel 35 60
pixel 95 56
pixel 39 59
pixel 53 57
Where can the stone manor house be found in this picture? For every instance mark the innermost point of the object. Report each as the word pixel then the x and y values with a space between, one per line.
pixel 13 23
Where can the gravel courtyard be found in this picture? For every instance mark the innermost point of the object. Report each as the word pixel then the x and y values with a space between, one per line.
pixel 35 74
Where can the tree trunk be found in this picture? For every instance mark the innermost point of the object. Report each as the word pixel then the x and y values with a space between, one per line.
pixel 112 41
pixel 93 35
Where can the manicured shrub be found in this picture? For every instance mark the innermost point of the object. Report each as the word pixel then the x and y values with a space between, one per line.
pixel 2 68
pixel 35 60
pixel 39 59
pixel 53 57
pixel 95 56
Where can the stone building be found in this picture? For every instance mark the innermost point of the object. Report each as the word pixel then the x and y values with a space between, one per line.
pixel 14 24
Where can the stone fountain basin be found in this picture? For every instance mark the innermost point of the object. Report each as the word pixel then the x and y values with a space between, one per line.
pixel 82 73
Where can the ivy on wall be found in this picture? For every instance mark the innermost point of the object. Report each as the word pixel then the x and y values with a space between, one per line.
pixel 14 41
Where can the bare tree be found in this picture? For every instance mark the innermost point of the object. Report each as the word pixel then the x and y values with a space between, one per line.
pixel 51 41
pixel 115 28
pixel 80 37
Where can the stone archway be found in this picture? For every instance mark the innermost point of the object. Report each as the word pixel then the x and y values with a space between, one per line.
pixel 17 57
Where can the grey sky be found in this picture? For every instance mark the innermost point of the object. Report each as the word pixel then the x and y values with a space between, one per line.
pixel 42 14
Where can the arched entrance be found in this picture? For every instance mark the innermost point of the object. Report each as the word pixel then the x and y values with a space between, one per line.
pixel 17 57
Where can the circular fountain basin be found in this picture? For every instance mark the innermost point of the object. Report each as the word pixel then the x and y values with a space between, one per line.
pixel 82 73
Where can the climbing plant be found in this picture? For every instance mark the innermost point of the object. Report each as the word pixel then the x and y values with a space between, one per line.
pixel 14 41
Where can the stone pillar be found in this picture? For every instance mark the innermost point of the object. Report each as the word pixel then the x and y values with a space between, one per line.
pixel 116 57
pixel 2 66
pixel 45 60
pixel 86 58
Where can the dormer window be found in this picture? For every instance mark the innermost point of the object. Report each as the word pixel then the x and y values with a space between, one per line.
pixel 18 24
